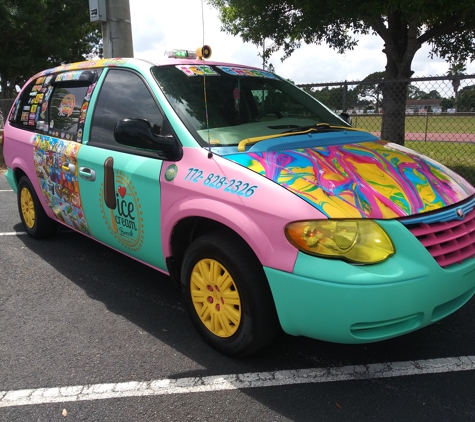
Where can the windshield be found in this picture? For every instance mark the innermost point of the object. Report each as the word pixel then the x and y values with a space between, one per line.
pixel 241 103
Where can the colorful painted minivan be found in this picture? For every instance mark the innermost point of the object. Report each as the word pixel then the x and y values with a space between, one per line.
pixel 268 210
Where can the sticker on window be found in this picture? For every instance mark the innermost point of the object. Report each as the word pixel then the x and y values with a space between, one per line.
pixel 69 76
pixel 200 70
pixel 66 106
pixel 242 71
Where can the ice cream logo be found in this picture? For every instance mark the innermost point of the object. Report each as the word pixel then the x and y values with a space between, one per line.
pixel 120 207
pixel 66 106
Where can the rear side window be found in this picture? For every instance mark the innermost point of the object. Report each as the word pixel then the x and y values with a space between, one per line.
pixel 65 111
pixel 56 105
pixel 31 107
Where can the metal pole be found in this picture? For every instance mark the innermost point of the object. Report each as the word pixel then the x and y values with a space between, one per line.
pixel 345 90
pixel 117 30
pixel 427 125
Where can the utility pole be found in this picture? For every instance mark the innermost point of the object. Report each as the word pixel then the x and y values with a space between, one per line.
pixel 114 16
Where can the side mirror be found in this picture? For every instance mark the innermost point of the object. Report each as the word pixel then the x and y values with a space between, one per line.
pixel 346 117
pixel 137 133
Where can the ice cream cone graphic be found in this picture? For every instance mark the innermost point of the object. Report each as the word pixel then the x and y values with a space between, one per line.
pixel 109 189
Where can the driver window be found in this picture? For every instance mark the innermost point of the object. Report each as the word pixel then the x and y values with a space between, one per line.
pixel 123 95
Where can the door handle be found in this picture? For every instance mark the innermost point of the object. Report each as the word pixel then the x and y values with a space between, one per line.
pixel 87 174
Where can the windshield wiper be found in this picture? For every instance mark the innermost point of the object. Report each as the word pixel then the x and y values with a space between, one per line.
pixel 319 127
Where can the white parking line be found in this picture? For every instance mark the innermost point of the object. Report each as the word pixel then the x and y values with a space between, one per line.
pixel 12 234
pixel 233 382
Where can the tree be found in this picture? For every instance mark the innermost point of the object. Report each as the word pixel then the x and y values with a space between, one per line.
pixel 270 68
pixel 455 70
pixel 431 95
pixel 414 93
pixel 322 95
pixel 370 87
pixel 447 103
pixel 38 34
pixel 404 25
pixel 339 98
pixel 466 98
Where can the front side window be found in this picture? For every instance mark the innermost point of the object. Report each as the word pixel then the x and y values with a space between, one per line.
pixel 123 95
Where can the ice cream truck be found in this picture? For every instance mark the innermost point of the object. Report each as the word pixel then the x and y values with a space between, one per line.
pixel 268 210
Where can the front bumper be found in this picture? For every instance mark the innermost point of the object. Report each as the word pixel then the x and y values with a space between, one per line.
pixel 335 301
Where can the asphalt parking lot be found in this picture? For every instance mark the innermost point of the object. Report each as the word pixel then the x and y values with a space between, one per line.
pixel 89 335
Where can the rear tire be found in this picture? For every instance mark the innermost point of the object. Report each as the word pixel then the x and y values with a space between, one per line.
pixel 227 294
pixel 37 223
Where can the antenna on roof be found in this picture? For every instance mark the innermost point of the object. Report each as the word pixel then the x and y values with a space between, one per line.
pixel 205 53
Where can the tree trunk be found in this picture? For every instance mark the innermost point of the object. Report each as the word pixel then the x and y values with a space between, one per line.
pixel 456 86
pixel 401 44
pixel 8 91
pixel 3 87
pixel 394 110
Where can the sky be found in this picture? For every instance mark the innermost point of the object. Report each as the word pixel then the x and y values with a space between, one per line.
pixel 179 25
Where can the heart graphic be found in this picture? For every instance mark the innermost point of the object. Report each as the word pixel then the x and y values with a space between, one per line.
pixel 122 191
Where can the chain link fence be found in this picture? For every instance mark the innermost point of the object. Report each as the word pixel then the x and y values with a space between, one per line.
pixel 438 113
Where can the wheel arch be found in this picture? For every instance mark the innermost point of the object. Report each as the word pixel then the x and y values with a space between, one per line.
pixel 36 221
pixel 188 229
pixel 263 235
pixel 18 172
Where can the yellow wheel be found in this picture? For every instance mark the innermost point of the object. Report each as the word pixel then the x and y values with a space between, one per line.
pixel 37 223
pixel 227 295
pixel 27 208
pixel 215 297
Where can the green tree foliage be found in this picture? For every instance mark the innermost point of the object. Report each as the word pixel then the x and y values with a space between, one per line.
pixel 466 99
pixel 455 70
pixel 431 95
pixel 322 95
pixel 38 34
pixel 339 99
pixel 447 103
pixel 370 87
pixel 404 25
pixel 414 93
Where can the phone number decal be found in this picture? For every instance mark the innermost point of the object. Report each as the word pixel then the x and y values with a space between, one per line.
pixel 216 181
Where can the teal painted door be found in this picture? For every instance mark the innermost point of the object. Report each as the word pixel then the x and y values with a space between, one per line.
pixel 119 184
pixel 120 195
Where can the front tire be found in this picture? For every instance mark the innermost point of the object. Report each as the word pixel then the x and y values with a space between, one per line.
pixel 37 223
pixel 227 294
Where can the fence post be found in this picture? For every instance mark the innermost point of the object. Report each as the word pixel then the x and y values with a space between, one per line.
pixel 345 91
pixel 427 125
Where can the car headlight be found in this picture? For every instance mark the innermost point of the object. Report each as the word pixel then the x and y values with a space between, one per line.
pixel 358 241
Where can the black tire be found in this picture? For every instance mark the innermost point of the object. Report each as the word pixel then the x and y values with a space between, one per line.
pixel 37 223
pixel 248 320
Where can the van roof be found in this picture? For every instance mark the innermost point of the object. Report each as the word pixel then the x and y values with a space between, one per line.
pixel 133 63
